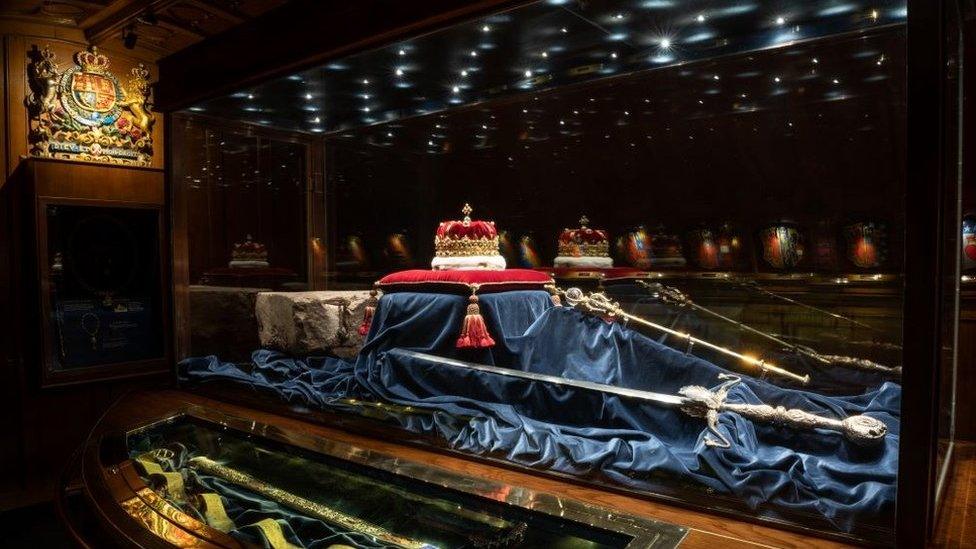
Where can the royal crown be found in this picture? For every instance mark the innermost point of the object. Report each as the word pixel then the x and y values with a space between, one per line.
pixel 583 248
pixel 467 244
pixel 249 250
pixel 43 64
pixel 92 61
pixel 584 241
pixel 466 237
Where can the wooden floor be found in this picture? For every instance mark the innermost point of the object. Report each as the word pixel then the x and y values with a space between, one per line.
pixel 957 525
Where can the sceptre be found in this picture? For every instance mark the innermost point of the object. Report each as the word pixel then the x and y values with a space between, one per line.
pixel 599 303
pixel 669 294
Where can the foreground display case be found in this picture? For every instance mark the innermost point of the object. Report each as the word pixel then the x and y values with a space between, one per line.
pixel 691 253
pixel 160 470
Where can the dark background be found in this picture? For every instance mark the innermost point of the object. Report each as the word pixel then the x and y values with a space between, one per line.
pixel 672 147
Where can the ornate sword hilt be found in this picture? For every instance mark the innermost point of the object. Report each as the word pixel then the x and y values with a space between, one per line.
pixel 667 294
pixel 702 402
pixel 595 303
pixel 863 364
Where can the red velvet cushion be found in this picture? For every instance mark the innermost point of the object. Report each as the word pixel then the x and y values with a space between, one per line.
pixel 418 280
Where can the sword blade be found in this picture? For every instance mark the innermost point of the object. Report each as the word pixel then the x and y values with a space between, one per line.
pixel 695 401
pixel 661 399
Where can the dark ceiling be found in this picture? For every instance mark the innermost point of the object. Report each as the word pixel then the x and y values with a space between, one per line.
pixel 561 42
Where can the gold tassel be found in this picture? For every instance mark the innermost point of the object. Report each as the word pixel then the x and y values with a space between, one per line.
pixel 369 311
pixel 474 332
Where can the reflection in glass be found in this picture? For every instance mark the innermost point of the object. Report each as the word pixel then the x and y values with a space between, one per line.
pixel 233 482
pixel 104 284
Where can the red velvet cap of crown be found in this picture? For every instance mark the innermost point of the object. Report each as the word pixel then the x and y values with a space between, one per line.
pixel 584 235
pixel 466 238
pixel 472 230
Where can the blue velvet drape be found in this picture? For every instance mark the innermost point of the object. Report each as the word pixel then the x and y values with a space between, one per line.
pixel 245 507
pixel 817 477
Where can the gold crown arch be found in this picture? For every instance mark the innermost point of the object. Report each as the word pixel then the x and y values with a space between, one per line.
pixel 86 113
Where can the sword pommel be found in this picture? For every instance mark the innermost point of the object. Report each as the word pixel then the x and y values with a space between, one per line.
pixel 864 430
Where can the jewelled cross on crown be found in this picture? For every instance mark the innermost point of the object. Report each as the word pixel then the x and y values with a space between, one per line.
pixel 466 210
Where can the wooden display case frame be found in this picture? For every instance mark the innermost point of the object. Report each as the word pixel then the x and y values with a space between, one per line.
pixel 40 183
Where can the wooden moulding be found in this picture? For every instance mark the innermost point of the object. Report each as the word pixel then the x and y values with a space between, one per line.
pixel 44 182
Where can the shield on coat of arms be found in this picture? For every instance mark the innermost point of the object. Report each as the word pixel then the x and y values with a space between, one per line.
pixel 94 92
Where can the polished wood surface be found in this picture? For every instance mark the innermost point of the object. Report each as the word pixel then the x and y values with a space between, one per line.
pixel 705 531
pixel 926 266
pixel 40 427
pixel 66 179
pixel 4 105
pixel 966 366
pixel 47 182
pixel 957 519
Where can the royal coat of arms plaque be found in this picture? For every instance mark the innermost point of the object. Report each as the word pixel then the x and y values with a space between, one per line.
pixel 85 113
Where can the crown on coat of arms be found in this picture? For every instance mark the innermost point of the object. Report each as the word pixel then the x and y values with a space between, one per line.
pixel 46 54
pixel 140 72
pixel 92 61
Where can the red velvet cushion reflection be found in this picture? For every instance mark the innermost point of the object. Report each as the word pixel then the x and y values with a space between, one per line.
pixel 418 280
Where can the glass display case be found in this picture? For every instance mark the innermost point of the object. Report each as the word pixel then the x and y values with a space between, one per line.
pixel 166 471
pixel 362 506
pixel 91 267
pixel 690 251
pixel 104 284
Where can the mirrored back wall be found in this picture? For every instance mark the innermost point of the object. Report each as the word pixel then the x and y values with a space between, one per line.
pixel 808 138
pixel 246 192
